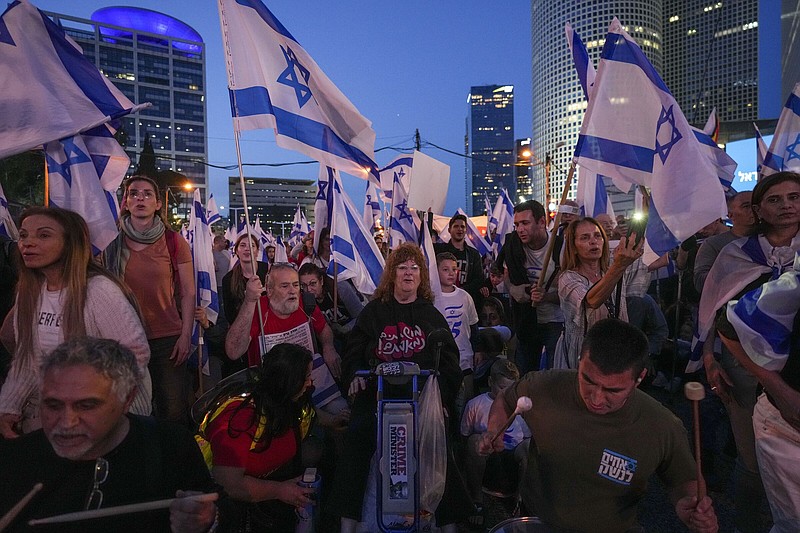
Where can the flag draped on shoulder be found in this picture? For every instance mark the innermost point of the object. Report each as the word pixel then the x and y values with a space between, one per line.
pixel 784 150
pixel 7 226
pixel 274 83
pixel 85 171
pixel 354 253
pixel 634 132
pixel 204 276
pixel 49 89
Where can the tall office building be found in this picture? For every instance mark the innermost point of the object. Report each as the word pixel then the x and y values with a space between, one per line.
pixel 489 144
pixel 728 56
pixel 152 57
pixel 522 168
pixel 558 100
pixel 273 200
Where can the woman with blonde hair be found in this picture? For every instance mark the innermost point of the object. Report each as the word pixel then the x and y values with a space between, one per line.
pixel 394 326
pixel 62 293
pixel 586 286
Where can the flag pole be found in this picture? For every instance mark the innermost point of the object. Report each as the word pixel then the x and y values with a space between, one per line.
pixel 46 185
pixel 200 359
pixel 335 290
pixel 236 135
pixel 556 222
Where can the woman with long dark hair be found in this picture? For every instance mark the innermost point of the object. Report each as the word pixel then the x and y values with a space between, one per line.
pixel 62 293
pixel 235 281
pixel 255 436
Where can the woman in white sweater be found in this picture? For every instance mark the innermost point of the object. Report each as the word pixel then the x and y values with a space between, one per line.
pixel 62 293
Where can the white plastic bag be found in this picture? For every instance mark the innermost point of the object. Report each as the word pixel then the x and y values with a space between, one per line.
pixel 432 446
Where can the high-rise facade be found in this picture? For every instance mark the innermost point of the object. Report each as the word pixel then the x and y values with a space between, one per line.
pixel 152 57
pixel 273 200
pixel 489 144
pixel 558 100
pixel 740 56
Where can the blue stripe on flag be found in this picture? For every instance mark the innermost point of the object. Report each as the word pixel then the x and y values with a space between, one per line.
pixel 704 139
pixel 407 161
pixel 617 48
pixel 754 251
pixel 83 72
pixel 374 268
pixel 615 153
pixel 793 103
pixel 267 16
pixel 771 330
pixel 255 101
pixel 659 236
pixel 600 197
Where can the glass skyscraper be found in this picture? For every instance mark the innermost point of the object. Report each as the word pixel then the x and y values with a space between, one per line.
pixel 489 145
pixel 152 57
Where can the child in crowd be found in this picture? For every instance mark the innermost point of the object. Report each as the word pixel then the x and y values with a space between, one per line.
pixel 459 310
pixel 488 347
pixel 504 470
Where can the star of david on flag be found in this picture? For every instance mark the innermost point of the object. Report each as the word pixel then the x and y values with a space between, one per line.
pixel 372 209
pixel 323 204
pixel 784 150
pixel 274 83
pixel 50 90
pixel 635 133
pixel 7 226
pixel 398 169
pixel 403 226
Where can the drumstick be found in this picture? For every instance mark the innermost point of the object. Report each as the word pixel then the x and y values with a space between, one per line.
pixel 695 392
pixel 524 405
pixel 19 506
pixel 120 509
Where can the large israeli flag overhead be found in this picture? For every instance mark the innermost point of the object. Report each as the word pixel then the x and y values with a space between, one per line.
pixel 784 150
pixel 85 172
pixel 634 131
pixel 354 253
pixel 49 89
pixel 274 83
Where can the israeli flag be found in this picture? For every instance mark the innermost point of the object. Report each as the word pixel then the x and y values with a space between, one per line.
pixel 784 150
pixel 404 222
pixel 274 83
pixel 503 213
pixel 204 277
pixel 372 209
pixel 761 149
pixel 354 254
pixel 323 203
pixel 592 195
pixel 7 226
pixel 580 57
pixel 491 221
pixel 212 212
pixel 85 172
pixel 634 132
pixel 426 244
pixel 723 163
pixel 474 237
pixel 300 227
pixel 764 318
pixel 50 90
pixel 280 251
pixel 264 239
pixel 398 169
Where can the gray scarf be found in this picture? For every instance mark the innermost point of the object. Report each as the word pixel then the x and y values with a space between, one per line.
pixel 117 253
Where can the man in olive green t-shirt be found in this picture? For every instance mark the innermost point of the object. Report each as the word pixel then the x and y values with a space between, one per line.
pixel 597 439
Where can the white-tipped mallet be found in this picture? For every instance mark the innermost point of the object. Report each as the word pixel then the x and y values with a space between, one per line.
pixel 695 392
pixel 524 404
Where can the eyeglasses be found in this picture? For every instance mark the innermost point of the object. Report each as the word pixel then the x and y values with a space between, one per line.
pixel 406 268
pixel 100 476
pixel 141 195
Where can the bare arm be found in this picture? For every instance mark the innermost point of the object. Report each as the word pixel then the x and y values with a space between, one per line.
pixel 332 358
pixel 625 254
pixel 661 262
pixel 246 488
pixel 498 414
pixel 238 337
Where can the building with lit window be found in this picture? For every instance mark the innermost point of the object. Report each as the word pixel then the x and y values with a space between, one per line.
pixel 273 200
pixel 489 144
pixel 152 57
pixel 523 161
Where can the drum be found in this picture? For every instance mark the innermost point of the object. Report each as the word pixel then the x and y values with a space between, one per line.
pixel 525 524
pixel 220 392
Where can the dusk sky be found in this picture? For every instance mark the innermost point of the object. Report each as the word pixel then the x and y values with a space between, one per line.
pixel 404 65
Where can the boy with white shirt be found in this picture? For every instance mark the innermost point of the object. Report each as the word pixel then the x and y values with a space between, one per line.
pixel 459 310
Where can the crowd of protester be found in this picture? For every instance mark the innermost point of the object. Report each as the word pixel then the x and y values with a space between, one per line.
pixel 291 338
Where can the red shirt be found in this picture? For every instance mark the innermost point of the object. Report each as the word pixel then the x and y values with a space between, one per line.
pixel 275 324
